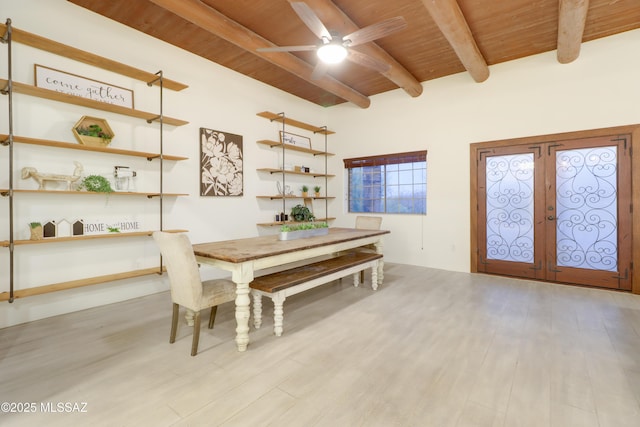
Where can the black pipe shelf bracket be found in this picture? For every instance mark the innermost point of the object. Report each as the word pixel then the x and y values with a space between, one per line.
pixel 8 142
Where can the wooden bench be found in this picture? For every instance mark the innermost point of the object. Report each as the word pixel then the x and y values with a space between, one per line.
pixel 278 286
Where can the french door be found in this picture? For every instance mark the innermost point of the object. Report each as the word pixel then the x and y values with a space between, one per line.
pixel 557 211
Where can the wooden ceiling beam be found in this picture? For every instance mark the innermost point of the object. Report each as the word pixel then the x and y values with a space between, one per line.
pixel 571 21
pixel 216 23
pixel 453 25
pixel 328 12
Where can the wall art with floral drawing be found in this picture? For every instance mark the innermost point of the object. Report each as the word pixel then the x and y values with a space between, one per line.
pixel 220 163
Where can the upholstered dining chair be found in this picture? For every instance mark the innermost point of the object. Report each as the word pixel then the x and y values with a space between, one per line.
pixel 187 288
pixel 367 223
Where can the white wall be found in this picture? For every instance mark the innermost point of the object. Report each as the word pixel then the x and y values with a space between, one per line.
pixel 530 96
pixel 217 98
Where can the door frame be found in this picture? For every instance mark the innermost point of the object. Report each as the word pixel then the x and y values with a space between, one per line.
pixel 632 130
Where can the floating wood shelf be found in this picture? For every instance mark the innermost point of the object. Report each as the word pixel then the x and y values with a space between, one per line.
pixel 39 290
pixel 290 122
pixel 93 193
pixel 276 144
pixel 85 237
pixel 279 197
pixel 289 172
pixel 284 148
pixel 74 146
pixel 272 224
pixel 85 102
pixel 157 79
pixel 42 43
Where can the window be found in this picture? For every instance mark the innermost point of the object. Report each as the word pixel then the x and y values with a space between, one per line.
pixel 391 183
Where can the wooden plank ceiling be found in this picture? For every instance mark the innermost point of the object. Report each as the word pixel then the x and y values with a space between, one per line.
pixel 442 37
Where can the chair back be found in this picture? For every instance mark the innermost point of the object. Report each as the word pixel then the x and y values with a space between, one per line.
pixel 182 267
pixel 368 222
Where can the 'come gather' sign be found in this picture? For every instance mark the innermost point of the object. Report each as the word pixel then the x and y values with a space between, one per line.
pixel 71 84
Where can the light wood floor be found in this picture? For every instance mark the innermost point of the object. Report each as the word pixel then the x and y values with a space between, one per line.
pixel 429 348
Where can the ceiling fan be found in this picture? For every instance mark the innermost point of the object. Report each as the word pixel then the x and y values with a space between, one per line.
pixel 334 48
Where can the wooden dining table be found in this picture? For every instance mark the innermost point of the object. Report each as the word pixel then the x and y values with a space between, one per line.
pixel 244 257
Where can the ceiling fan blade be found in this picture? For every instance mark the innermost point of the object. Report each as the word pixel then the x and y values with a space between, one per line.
pixel 368 61
pixel 320 70
pixel 375 31
pixel 287 48
pixel 311 20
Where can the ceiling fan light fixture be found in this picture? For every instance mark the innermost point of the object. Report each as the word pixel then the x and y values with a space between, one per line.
pixel 332 53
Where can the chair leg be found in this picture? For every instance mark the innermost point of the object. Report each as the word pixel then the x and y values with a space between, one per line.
pixel 212 317
pixel 196 333
pixel 362 276
pixel 174 323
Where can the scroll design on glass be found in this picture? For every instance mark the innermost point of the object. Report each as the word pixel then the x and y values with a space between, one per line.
pixel 586 204
pixel 510 213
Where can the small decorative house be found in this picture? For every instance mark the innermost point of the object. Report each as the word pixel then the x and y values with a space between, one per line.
pixel 64 228
pixel 49 229
pixel 77 228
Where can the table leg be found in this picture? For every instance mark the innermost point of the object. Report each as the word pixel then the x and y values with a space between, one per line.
pixel 242 278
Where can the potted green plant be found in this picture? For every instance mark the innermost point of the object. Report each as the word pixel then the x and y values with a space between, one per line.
pixel 95 183
pixel 305 191
pixel 316 190
pixel 301 213
pixel 36 230
pixel 93 131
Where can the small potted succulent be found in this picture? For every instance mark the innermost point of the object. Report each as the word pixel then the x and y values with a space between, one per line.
pixel 305 191
pixel 93 131
pixel 36 230
pixel 316 190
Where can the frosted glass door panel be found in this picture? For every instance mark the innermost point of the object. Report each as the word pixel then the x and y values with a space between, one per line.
pixel 586 208
pixel 509 194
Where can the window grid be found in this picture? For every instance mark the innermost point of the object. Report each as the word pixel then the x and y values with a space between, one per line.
pixel 388 188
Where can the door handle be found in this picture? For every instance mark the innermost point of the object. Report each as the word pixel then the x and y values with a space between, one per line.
pixel 551 217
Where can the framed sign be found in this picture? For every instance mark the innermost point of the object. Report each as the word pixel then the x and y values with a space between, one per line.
pixel 293 139
pixel 60 81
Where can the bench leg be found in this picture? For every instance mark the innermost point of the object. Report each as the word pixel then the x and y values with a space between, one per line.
pixel 278 313
pixel 378 245
pixel 257 309
pixel 374 276
pixel 356 279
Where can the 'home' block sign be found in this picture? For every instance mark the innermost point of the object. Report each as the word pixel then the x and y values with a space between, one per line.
pixel 102 227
